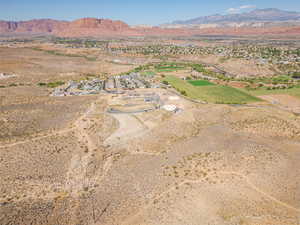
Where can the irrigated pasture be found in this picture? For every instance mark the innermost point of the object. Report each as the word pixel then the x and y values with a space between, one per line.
pixel 211 93
pixel 200 82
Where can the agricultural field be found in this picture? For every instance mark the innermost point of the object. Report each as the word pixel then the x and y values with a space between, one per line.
pixel 169 67
pixel 211 93
pixel 200 83
pixel 148 73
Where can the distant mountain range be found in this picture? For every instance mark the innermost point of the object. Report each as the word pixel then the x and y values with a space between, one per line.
pixel 257 17
pixel 257 22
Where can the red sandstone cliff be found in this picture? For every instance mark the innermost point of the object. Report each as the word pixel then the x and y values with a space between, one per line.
pixel 96 27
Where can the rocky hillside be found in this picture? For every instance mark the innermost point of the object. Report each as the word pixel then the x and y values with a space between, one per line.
pixel 32 26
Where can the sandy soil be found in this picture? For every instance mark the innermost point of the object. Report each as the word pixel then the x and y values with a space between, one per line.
pixel 210 164
pixel 287 102
pixel 32 66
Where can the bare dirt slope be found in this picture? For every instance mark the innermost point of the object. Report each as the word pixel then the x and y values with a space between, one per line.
pixel 210 164
pixel 286 102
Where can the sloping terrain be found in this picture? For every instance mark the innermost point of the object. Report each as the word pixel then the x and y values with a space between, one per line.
pixel 210 164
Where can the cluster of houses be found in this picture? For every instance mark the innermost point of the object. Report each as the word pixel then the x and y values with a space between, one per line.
pixel 131 81
pixel 114 84
pixel 128 102
pixel 263 55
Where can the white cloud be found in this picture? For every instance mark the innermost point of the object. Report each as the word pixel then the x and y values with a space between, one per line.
pixel 248 7
pixel 233 10
pixel 239 9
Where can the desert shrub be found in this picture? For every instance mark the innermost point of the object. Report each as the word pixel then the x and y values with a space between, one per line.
pixel 296 75
pixel 55 84
pixel 165 82
pixel 183 93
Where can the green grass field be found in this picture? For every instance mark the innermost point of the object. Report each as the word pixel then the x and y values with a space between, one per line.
pixel 169 67
pixel 263 91
pixel 148 73
pixel 165 70
pixel 200 83
pixel 211 93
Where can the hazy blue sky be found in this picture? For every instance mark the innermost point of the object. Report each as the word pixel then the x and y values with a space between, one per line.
pixel 132 11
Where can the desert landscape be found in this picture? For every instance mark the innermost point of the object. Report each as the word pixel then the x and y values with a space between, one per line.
pixel 102 123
